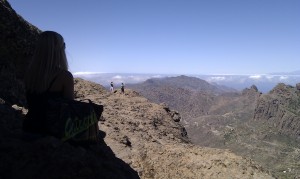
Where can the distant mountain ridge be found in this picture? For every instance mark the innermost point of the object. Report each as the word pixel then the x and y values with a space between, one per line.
pixel 264 82
pixel 190 83
pixel 297 72
pixel 185 94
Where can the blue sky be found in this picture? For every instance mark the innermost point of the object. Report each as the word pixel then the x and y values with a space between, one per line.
pixel 173 36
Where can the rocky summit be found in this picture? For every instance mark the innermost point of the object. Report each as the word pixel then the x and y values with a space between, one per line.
pixel 140 139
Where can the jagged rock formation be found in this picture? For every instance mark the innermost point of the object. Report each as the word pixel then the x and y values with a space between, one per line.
pixel 280 108
pixel 141 139
pixel 298 86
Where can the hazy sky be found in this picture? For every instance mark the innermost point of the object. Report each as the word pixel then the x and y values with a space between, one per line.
pixel 173 36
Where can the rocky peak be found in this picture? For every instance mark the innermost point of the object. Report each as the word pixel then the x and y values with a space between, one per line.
pixel 252 91
pixel 298 86
pixel 254 88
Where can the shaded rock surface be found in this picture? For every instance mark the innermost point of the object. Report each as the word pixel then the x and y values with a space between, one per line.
pixel 24 156
pixel 17 39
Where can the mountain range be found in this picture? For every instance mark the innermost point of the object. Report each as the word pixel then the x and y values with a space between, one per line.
pixel 264 82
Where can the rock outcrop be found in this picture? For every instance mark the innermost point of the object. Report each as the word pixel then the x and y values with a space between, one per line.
pixel 298 86
pixel 17 39
pixel 281 109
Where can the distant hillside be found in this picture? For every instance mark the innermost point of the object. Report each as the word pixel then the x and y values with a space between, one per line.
pixel 192 83
pixel 190 95
pixel 184 82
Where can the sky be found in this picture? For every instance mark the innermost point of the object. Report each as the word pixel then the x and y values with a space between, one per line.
pixel 172 36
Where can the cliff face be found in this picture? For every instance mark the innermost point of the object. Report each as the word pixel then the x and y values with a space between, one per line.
pixel 139 139
pixel 281 109
pixel 17 39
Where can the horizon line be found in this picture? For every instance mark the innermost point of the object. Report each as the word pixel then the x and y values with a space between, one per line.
pixel 209 74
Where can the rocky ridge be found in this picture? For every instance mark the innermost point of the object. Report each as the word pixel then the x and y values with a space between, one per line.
pixel 280 108
pixel 146 136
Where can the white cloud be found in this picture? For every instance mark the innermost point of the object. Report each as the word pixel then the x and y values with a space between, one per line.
pixel 86 73
pixel 255 77
pixel 117 77
pixel 217 78
pixel 137 78
pixel 156 76
pixel 283 77
pixel 269 77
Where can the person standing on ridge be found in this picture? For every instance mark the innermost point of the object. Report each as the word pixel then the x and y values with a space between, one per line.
pixel 122 88
pixel 111 87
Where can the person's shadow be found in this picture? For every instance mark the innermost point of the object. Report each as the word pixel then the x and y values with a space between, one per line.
pixel 105 152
